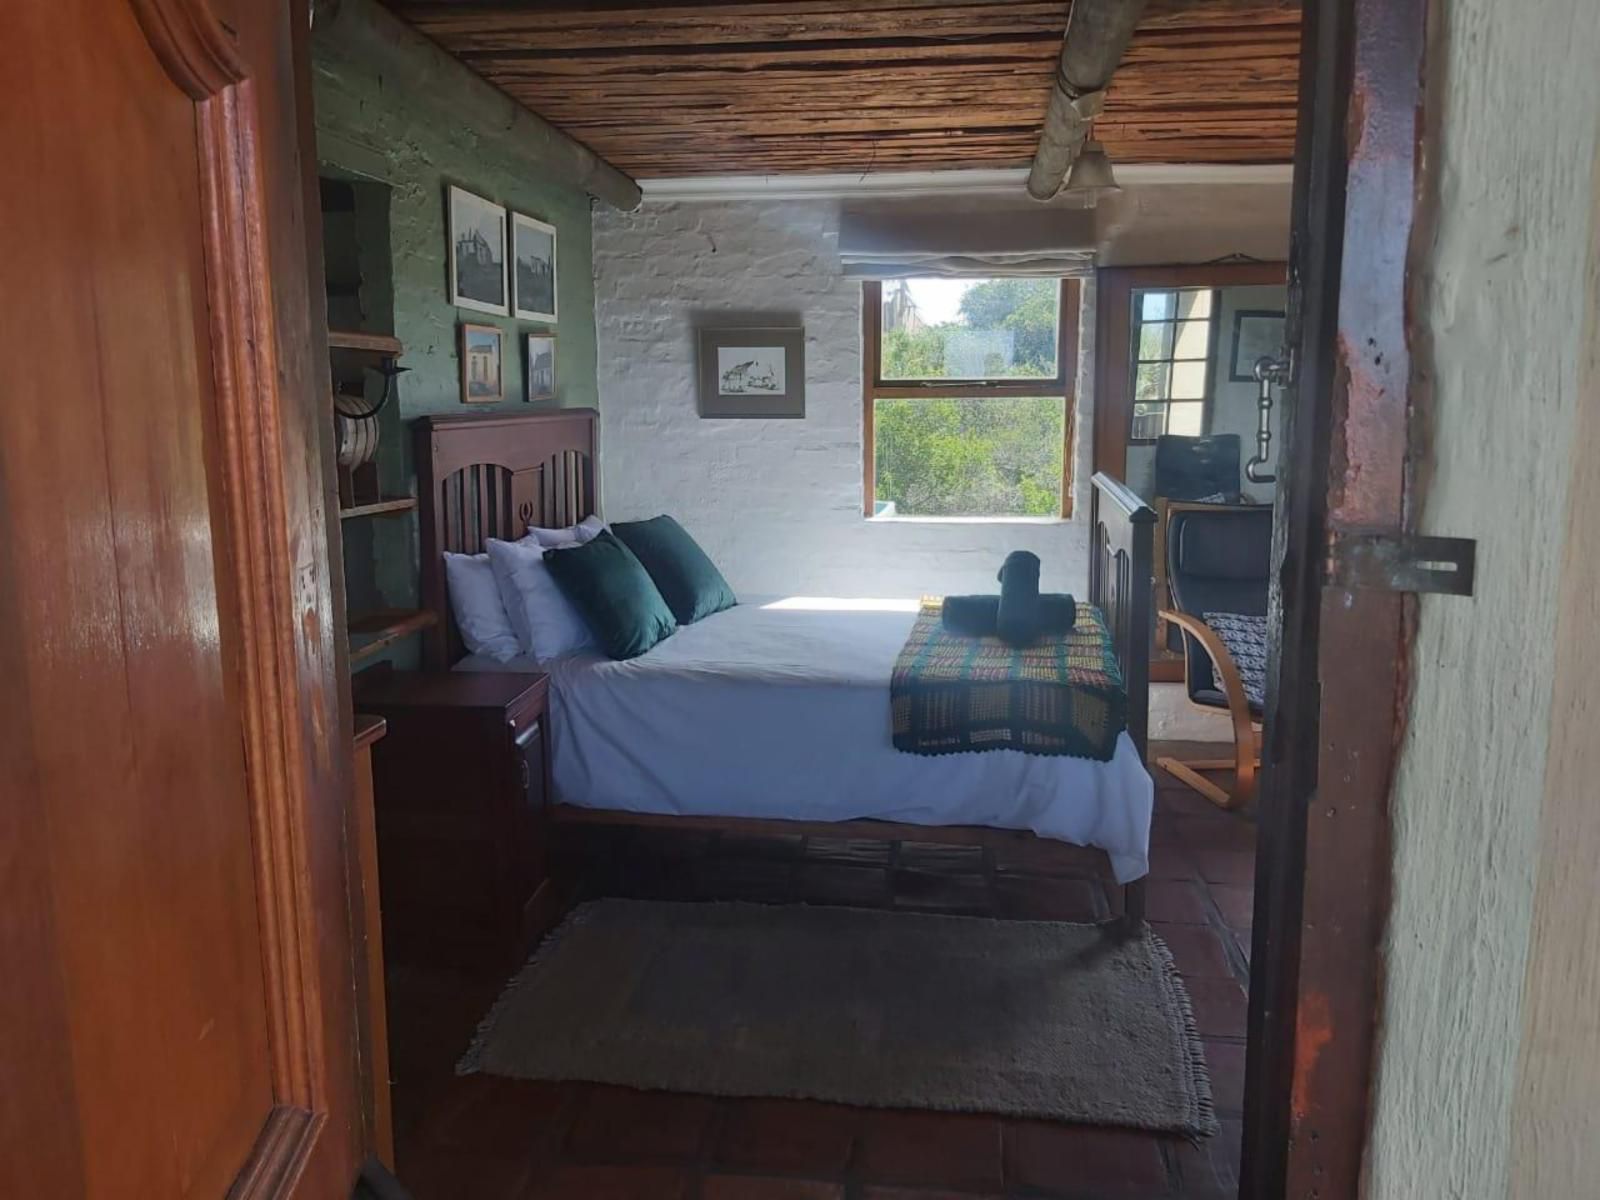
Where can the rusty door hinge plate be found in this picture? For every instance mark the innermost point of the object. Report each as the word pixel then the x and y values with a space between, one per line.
pixel 1389 563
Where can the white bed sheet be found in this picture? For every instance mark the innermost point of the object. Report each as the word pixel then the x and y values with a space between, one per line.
pixel 780 709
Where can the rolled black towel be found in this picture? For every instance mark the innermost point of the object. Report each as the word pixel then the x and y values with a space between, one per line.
pixel 971 616
pixel 978 616
pixel 1058 612
pixel 1018 619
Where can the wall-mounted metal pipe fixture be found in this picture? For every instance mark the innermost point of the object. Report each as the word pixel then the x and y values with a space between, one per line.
pixel 1268 371
pixel 1098 32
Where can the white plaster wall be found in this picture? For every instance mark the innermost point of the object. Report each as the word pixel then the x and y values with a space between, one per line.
pixel 1197 223
pixel 1507 279
pixel 777 504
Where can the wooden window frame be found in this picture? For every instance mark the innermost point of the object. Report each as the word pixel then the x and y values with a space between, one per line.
pixel 1207 398
pixel 874 387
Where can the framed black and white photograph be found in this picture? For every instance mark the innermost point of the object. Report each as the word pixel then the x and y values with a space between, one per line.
pixel 533 255
pixel 482 373
pixel 1256 333
pixel 758 372
pixel 750 370
pixel 477 254
pixel 541 372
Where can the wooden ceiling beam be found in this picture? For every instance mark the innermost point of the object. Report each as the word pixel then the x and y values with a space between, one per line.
pixel 1098 32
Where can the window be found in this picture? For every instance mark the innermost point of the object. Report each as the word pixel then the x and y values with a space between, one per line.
pixel 1173 343
pixel 966 396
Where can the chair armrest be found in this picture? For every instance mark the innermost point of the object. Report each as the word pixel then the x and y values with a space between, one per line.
pixel 1226 669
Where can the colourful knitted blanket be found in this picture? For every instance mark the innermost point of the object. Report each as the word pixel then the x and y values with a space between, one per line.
pixel 1061 695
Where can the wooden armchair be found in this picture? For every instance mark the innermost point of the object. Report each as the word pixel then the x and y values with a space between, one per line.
pixel 1218 561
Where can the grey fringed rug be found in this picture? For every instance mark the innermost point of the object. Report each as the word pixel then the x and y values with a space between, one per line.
pixel 892 1009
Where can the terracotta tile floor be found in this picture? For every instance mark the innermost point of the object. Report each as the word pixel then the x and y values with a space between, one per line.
pixel 481 1138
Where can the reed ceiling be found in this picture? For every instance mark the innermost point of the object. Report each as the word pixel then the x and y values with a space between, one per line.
pixel 675 89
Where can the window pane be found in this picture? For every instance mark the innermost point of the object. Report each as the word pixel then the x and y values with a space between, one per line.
pixel 1149 421
pixel 1193 340
pixel 1153 381
pixel 1186 419
pixel 1155 306
pixel 970 328
pixel 1189 380
pixel 1155 340
pixel 988 456
pixel 1196 303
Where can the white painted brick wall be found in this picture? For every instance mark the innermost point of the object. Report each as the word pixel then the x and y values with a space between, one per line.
pixel 777 504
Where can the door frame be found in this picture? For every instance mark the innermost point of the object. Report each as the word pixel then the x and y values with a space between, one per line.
pixel 1337 678
pixel 1114 288
pixel 1113 347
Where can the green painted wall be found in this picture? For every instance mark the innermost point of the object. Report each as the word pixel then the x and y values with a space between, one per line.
pixel 371 128
pixel 367 128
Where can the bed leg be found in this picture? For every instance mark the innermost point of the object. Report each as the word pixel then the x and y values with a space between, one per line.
pixel 1133 905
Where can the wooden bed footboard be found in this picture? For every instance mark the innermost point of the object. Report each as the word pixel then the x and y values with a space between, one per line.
pixel 1121 584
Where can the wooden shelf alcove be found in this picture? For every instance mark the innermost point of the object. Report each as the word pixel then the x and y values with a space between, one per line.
pixel 385 626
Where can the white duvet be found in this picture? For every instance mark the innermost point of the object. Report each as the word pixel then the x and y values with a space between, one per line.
pixel 780 709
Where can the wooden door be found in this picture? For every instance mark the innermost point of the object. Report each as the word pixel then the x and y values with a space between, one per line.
pixel 175 1016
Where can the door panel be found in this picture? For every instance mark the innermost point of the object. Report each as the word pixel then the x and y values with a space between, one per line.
pixel 178 949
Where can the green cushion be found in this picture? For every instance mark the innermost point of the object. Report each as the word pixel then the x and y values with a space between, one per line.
pixel 689 581
pixel 613 591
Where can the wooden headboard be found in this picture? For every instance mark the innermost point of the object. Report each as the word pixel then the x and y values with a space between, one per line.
pixel 488 476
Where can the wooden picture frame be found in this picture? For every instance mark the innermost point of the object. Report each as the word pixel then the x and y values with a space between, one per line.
pixel 483 376
pixel 753 373
pixel 533 268
pixel 476 241
pixel 539 368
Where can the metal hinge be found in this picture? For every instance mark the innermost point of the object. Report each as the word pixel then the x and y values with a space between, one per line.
pixel 1402 563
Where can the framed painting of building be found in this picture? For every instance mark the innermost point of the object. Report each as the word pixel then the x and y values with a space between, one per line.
pixel 533 256
pixel 482 375
pixel 477 253
pixel 753 372
pixel 541 369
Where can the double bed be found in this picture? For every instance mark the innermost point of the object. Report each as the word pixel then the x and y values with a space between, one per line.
pixel 777 709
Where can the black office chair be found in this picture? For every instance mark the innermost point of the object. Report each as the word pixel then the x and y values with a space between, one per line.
pixel 1197 468
pixel 1219 562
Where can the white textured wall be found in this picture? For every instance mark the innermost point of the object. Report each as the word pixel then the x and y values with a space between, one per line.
pixel 777 504
pixel 1197 223
pixel 1509 284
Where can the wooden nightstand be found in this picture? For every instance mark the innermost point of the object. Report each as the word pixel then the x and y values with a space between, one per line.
pixel 462 785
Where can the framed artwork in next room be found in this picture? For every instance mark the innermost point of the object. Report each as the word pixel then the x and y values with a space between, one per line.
pixel 752 373
pixel 533 253
pixel 482 374
pixel 541 368
pixel 1257 333
pixel 477 253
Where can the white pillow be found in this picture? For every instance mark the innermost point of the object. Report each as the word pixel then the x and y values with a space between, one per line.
pixel 480 614
pixel 573 535
pixel 546 623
